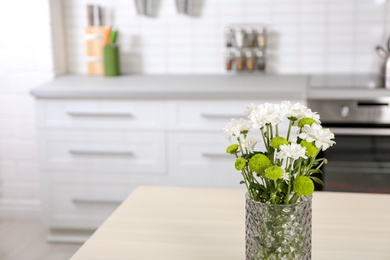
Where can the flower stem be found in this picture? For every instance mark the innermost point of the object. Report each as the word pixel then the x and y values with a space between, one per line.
pixel 289 183
pixel 313 159
pixel 264 139
pixel 289 129
pixel 294 198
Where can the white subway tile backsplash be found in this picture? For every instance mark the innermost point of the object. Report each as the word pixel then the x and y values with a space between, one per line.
pixel 26 53
pixel 14 171
pixel 7 127
pixel 312 7
pixel 341 49
pixel 18 58
pixel 21 191
pixel 18 149
pixel 298 29
pixel 312 49
pixel 17 105
pixel 43 60
pixel 341 38
pixel 344 6
pixel 313 20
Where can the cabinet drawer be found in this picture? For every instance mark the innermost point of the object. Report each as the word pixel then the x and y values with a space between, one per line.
pixel 116 151
pixel 83 205
pixel 201 158
pixel 101 114
pixel 209 115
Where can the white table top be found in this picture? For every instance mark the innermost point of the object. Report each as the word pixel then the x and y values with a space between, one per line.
pixel 175 223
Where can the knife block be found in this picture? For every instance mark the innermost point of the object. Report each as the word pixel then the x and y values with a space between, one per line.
pixel 94 49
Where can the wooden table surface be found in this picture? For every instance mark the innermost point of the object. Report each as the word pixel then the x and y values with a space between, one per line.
pixel 172 223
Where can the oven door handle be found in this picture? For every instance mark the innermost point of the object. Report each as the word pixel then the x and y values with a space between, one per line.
pixel 360 131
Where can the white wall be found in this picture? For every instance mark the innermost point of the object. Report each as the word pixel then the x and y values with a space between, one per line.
pixel 26 60
pixel 307 36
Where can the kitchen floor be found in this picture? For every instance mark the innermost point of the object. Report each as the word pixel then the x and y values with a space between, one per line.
pixel 24 239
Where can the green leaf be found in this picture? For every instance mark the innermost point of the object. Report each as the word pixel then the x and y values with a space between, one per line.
pixel 265 195
pixel 256 186
pixel 282 187
pixel 313 171
pixel 242 182
pixel 317 180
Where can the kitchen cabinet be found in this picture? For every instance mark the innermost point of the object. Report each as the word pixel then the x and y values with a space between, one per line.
pixel 100 138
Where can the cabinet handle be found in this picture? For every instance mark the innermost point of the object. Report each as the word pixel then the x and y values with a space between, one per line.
pixel 97 152
pixel 90 201
pixel 220 116
pixel 99 114
pixel 216 155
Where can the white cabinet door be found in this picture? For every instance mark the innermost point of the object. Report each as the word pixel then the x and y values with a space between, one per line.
pixel 101 114
pixel 200 158
pixel 83 204
pixel 208 114
pixel 115 151
pixel 204 115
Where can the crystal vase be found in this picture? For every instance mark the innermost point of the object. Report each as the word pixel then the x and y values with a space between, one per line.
pixel 274 231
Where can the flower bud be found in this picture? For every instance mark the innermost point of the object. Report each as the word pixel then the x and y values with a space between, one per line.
pixel 240 164
pixel 258 163
pixel 303 185
pixel 232 149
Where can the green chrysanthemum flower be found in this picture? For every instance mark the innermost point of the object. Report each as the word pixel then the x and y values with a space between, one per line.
pixel 306 121
pixel 311 149
pixel 278 141
pixel 258 163
pixel 303 185
pixel 240 163
pixel 273 172
pixel 232 149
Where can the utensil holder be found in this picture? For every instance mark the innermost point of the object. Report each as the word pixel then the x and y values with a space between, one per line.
pixel 111 61
pixel 184 6
pixel 144 7
pixel 94 49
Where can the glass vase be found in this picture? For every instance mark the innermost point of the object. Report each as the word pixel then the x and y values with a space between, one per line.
pixel 274 231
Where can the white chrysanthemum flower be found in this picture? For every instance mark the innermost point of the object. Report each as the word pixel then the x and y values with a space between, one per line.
pixel 235 127
pixel 292 150
pixel 249 108
pixel 286 176
pixel 299 111
pixel 266 114
pixel 249 143
pixel 322 137
pixel 285 107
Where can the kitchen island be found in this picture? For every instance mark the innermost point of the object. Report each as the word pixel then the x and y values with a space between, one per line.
pixel 202 223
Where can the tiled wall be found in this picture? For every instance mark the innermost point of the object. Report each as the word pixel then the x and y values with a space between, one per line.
pixel 26 60
pixel 306 36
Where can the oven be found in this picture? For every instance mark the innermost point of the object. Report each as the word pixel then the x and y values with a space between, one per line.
pixel 360 160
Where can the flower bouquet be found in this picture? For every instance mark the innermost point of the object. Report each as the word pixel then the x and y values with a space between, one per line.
pixel 282 173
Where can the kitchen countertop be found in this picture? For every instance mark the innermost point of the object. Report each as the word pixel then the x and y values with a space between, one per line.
pixel 348 93
pixel 199 223
pixel 242 86
pixel 252 86
pixel 346 86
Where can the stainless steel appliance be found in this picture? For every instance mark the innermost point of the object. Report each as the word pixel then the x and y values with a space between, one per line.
pixel 360 160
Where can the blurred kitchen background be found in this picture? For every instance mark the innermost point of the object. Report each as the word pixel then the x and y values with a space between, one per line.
pixel 42 39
